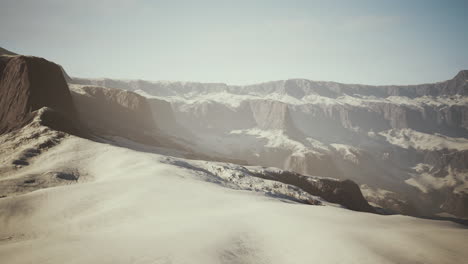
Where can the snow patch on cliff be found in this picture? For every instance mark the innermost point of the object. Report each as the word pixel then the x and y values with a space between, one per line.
pixel 409 138
pixel 279 139
pixel 426 181
pixel 348 152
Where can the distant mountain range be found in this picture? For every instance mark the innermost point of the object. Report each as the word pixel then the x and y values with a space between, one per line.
pixel 405 145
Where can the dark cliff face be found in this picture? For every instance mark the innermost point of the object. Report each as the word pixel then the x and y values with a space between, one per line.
pixel 28 84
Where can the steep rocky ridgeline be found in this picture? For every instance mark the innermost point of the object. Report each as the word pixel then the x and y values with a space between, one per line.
pixel 28 84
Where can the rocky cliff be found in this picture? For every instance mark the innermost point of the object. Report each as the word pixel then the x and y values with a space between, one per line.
pixel 28 84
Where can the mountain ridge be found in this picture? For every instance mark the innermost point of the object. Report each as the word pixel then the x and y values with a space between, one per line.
pixel 28 84
pixel 127 83
pixel 6 52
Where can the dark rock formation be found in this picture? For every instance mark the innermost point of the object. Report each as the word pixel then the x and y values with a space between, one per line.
pixel 344 192
pixel 28 84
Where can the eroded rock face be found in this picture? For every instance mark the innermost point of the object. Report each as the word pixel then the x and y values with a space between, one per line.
pixel 112 110
pixel 28 84
pixel 116 115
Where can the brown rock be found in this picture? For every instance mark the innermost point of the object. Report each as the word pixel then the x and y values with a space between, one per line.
pixel 28 84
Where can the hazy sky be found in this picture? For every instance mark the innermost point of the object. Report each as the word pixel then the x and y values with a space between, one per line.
pixel 240 42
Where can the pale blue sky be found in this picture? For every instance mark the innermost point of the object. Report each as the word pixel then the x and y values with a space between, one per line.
pixel 241 42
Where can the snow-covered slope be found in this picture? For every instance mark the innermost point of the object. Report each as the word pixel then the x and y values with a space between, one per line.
pixel 138 207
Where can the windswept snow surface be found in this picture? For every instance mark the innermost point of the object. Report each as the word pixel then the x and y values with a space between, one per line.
pixel 140 207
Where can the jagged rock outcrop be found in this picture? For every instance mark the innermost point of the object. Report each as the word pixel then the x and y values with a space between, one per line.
pixel 28 84
pixel 344 192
